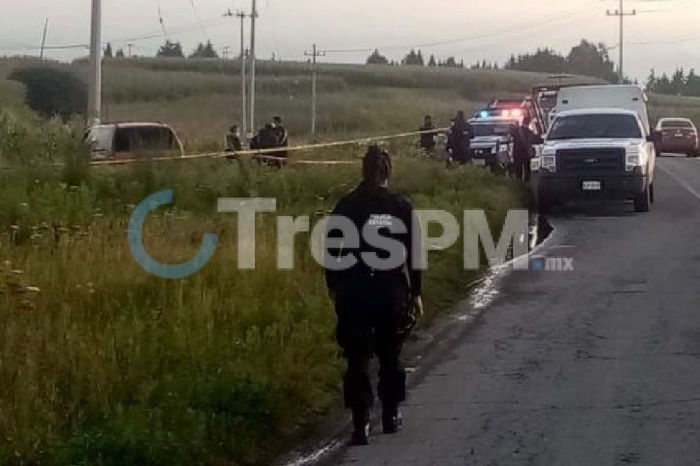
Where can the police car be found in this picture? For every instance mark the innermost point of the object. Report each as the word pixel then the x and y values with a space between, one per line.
pixel 492 145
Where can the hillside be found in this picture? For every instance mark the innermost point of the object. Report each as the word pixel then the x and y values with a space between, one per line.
pixel 201 97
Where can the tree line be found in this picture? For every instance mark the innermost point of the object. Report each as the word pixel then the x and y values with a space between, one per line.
pixel 171 49
pixel 586 58
pixel 414 58
pixel 678 84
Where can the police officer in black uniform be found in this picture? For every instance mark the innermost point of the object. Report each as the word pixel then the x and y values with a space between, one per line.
pixel 429 134
pixel 376 304
pixel 459 139
pixel 282 136
pixel 523 150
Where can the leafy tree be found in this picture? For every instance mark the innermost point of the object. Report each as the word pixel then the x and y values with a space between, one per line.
pixel 120 53
pixel 589 59
pixel 52 91
pixel 170 50
pixel 414 59
pixel 543 60
pixel 692 84
pixel 377 59
pixel 108 51
pixel 451 62
pixel 205 51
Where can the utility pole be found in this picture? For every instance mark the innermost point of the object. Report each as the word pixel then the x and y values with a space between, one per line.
pixel 129 46
pixel 95 88
pixel 244 123
pixel 621 13
pixel 253 20
pixel 43 39
pixel 314 55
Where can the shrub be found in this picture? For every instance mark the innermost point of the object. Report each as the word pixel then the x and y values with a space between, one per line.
pixel 52 91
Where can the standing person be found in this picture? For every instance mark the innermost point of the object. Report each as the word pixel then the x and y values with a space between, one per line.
pixel 428 137
pixel 459 140
pixel 523 150
pixel 233 139
pixel 281 134
pixel 264 140
pixel 375 306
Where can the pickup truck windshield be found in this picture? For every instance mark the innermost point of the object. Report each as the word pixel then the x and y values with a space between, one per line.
pixel 601 126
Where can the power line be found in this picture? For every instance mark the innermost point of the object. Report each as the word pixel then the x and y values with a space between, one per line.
pixel 199 20
pixel 162 23
pixel 253 20
pixel 530 24
pixel 242 17
pixel 621 13
pixel 315 53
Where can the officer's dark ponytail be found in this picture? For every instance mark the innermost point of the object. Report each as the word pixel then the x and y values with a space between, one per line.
pixel 376 167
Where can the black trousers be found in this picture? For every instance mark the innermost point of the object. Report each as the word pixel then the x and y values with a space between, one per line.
pixel 521 168
pixel 368 323
pixel 462 155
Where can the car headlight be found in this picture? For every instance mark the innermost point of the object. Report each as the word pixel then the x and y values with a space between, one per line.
pixel 549 163
pixel 503 148
pixel 634 158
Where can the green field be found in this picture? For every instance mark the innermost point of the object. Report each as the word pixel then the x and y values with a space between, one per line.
pixel 200 98
pixel 105 364
pixel 102 364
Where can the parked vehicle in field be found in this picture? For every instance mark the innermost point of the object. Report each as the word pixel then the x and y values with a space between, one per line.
pixel 678 136
pixel 492 145
pixel 603 154
pixel 124 141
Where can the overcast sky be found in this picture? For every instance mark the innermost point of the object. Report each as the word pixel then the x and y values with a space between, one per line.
pixel 469 29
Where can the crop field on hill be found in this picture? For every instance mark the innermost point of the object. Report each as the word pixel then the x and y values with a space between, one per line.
pixel 200 98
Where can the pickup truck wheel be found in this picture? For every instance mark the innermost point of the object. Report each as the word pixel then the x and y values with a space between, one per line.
pixel 643 200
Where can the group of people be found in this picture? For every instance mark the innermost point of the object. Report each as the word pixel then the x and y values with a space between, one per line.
pixel 272 136
pixel 461 133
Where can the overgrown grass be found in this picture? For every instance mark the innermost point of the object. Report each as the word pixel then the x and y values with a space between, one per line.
pixel 105 364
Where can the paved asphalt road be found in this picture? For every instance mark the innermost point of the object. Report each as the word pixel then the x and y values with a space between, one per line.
pixel 596 367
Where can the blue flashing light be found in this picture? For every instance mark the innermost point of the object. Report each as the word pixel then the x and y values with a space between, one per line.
pixel 484 114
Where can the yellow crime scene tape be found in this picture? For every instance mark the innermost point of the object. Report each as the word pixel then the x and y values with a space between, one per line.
pixel 257 153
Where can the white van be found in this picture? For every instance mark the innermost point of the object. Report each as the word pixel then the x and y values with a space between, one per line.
pixel 626 97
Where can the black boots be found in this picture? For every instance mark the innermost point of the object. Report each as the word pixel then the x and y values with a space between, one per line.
pixel 391 420
pixel 361 427
pixel 391 423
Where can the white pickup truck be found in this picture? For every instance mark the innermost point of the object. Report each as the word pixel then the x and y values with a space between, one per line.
pixel 599 146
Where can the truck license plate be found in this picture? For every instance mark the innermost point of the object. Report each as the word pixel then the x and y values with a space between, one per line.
pixel 479 162
pixel 591 186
